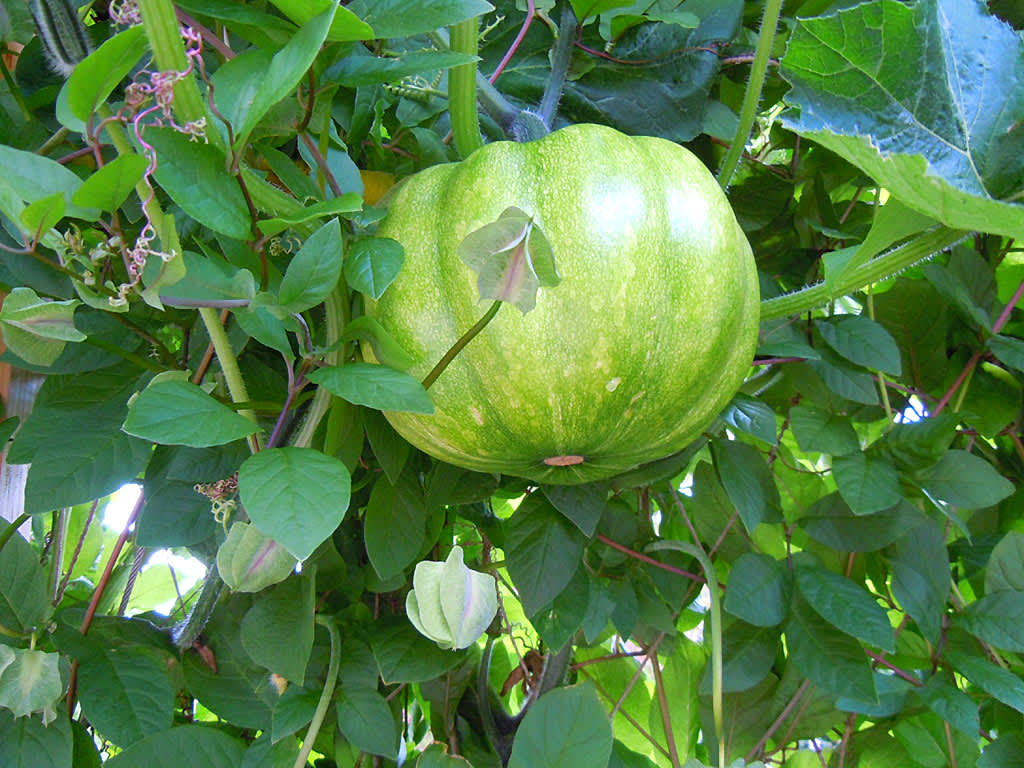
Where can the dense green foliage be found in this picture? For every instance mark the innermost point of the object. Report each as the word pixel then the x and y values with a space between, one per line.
pixel 189 229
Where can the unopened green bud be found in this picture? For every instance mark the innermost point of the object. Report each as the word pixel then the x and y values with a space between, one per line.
pixel 451 603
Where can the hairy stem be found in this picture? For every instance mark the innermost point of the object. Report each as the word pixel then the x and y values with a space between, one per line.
pixel 325 694
pixel 880 268
pixel 560 60
pixel 458 345
pixel 748 111
pixel 462 89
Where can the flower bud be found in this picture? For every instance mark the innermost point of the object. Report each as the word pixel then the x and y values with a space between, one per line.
pixel 450 603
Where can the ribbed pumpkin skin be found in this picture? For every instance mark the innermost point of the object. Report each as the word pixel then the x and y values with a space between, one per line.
pixel 647 337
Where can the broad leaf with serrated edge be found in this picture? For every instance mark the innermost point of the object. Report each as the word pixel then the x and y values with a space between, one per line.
pixel 923 98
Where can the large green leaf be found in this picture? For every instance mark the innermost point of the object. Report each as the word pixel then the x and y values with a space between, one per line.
pixel 997 619
pixel 297 496
pixel 583 504
pixel 993 679
pixel 277 632
pixel 748 482
pixel 26 743
pixel 200 746
pixel 405 656
pixel 965 480
pixel 175 412
pixel 392 509
pixel 28 177
pixel 1007 751
pixel 920 576
pixel 862 341
pixel 373 264
pixel 1006 564
pixel 126 693
pixel 567 727
pixel 100 72
pixel 679 681
pixel 544 551
pixel 845 605
pixel 868 484
pixel 23 600
pixel 759 590
pixel 391 18
pixel 951 704
pixel 923 98
pixel 817 429
pixel 30 682
pixel 313 272
pixel 375 386
pixel 367 722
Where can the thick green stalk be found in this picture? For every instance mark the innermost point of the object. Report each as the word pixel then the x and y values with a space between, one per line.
pixel 12 528
pixel 457 347
pixel 334 316
pixel 228 365
pixel 716 631
pixel 560 61
pixel 462 89
pixel 920 247
pixel 325 695
pixel 752 96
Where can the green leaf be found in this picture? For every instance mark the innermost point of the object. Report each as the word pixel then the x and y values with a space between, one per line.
pixel 543 550
pixel 1006 564
pixel 965 480
pixel 846 606
pixel 1008 349
pixel 126 693
pixel 1007 751
pixel 436 756
pixel 679 675
pixel 37 330
pixel 920 576
pixel 366 721
pixel 349 202
pixel 817 429
pixel 759 590
pixel 557 623
pixel 994 680
pixel 201 746
pixel 109 186
pixel 747 656
pixel 175 412
pixel 383 346
pixel 265 753
pixel 314 271
pixel 892 222
pixel 862 341
pixel 375 386
pixel 286 68
pixel 91 460
pixel 751 416
pixel 918 319
pixel 512 259
pixel 405 656
pixel 391 18
pixel 868 484
pixel 585 9
pixel 41 216
pixel 567 727
pixel 997 619
pixel 389 448
pixel 298 496
pixel 394 508
pixel 918 98
pixel 28 177
pixel 583 504
pixel 951 704
pixel 26 743
pixel 844 378
pixel 832 660
pixel 193 175
pixel 345 27
pixel 294 710
pixel 373 264
pixel 23 601
pixel 748 482
pixel 31 682
pixel 277 632
pixel 96 76
pixel 353 71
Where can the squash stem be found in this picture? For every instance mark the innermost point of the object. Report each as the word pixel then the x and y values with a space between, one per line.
pixel 458 345
pixel 559 65
pixel 326 694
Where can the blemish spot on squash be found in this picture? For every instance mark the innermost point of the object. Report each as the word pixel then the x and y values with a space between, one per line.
pixel 564 461
pixel 613 384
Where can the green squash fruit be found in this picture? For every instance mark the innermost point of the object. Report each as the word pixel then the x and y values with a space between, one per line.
pixel 647 337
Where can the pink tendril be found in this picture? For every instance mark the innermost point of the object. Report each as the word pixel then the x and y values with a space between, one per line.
pixel 531 11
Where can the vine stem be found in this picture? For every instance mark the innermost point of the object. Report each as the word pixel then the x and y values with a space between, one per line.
pixel 462 89
pixel 12 528
pixel 716 631
pixel 229 366
pixel 560 61
pixel 751 97
pixel 879 268
pixel 457 347
pixel 325 694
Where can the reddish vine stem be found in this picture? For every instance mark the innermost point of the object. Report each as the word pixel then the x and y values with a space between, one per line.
pixel 1004 316
pixel 531 11
pixel 666 719
pixel 879 659
pixel 756 749
pixel 97 594
pixel 647 559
